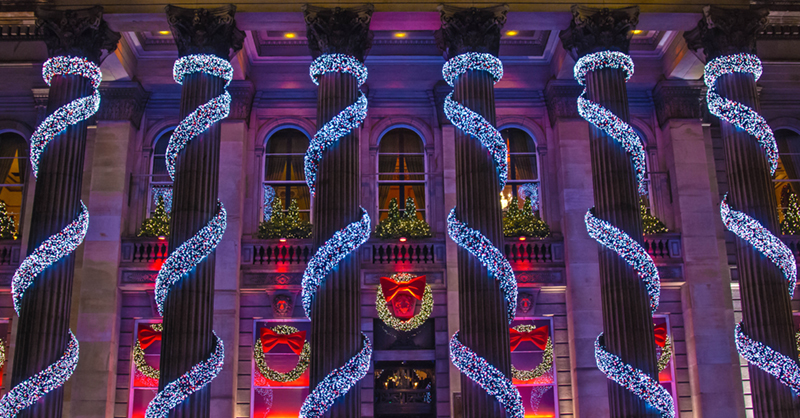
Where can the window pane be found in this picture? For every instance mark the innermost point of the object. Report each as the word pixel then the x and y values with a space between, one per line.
pixel 287 141
pixel 518 140
pixel 284 167
pixel 401 140
pixel 523 167
pixel 300 192
pixel 401 192
pixel 12 172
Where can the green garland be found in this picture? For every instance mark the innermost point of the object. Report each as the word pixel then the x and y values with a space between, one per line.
pixel 139 359
pixel 651 224
pixel 276 376
pixel 416 320
pixel 544 367
pixel 8 230
pixel 791 217
pixel 523 222
pixel 406 225
pixel 284 225
pixel 158 225
pixel 666 354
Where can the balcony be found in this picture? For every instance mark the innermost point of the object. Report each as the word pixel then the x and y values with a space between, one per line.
pixel 664 248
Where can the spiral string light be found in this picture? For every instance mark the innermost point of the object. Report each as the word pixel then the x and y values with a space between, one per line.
pixel 194 250
pixel 59 245
pixel 342 123
pixel 488 377
pixel 340 380
pixel 603 118
pixel 735 113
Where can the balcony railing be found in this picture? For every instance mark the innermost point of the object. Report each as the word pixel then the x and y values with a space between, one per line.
pixel 9 253
pixel 144 250
pixel 663 247
pixel 411 252
pixel 273 251
pixel 547 250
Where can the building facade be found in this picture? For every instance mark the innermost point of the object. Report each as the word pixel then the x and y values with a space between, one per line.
pixel 414 209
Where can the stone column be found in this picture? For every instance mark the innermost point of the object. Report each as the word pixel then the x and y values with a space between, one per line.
pixel 482 311
pixel 627 321
pixel 766 308
pixel 189 307
pixel 44 325
pixel 336 321
pixel 96 278
pixel 714 374
pixel 584 310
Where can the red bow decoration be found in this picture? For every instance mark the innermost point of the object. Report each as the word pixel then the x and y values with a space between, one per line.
pixel 147 337
pixel 391 288
pixel 270 338
pixel 661 335
pixel 537 336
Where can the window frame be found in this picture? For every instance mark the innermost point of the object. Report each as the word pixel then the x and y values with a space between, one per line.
pixel 515 184
pixel 23 184
pixel 150 207
pixel 132 366
pixel 526 319
pixel 264 182
pixel 402 183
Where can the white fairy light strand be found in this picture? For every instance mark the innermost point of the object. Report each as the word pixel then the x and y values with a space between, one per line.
pixel 783 367
pixel 530 190
pixel 343 122
pixel 269 196
pixel 627 376
pixel 603 118
pixel 71 113
pixel 735 113
pixel 468 120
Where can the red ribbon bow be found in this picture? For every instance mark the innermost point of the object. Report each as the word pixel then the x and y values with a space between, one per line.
pixel 537 336
pixel 391 288
pixel 661 334
pixel 147 336
pixel 270 338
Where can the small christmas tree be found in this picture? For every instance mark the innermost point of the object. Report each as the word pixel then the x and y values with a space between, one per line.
pixel 407 225
pixel 650 224
pixel 284 225
pixel 791 217
pixel 523 222
pixel 294 225
pixel 8 230
pixel 390 226
pixel 158 224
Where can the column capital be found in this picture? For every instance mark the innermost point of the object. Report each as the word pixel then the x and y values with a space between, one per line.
pixel 592 30
pixel 678 99
pixel 724 31
pixel 339 30
pixel 561 97
pixel 77 32
pixel 123 100
pixel 205 31
pixel 470 29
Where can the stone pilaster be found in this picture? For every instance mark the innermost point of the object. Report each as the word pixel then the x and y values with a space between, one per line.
pixel 481 308
pixel 43 327
pixel 122 101
pixel 627 322
pixel 336 308
pixel 560 96
pixel 766 308
pixel 242 93
pixel 189 307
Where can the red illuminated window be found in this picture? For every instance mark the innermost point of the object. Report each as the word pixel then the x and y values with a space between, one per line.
pixel 665 353
pixel 280 368
pixel 533 358
pixel 145 357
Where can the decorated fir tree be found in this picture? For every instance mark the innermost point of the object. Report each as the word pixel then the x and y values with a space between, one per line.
pixel 389 227
pixel 295 226
pixel 8 230
pixel 791 217
pixel 158 224
pixel 523 222
pixel 284 225
pixel 650 223
pixel 406 225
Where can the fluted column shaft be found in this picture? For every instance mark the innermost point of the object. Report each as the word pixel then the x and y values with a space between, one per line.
pixel 627 322
pixel 43 331
pixel 766 308
pixel 189 307
pixel 336 324
pixel 482 308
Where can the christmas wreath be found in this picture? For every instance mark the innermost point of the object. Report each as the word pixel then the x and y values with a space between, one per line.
pixel 535 335
pixel 403 283
pixel 144 339
pixel 282 334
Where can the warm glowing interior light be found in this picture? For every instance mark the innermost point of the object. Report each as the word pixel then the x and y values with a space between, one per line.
pixel 163 32
pixel 637 31
pixel 283 239
pixel 400 35
pixel 503 201
pixel 290 35
pixel 522 238
pixel 162 238
pixel 512 33
pixel 402 239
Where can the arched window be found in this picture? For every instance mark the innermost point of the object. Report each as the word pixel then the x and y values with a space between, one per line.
pixel 13 170
pixel 787 176
pixel 401 170
pixel 283 169
pixel 523 166
pixel 160 182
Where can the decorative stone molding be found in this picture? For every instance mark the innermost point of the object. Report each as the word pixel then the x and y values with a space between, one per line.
pixel 593 30
pixel 338 30
pixel 40 96
pixel 440 91
pixel 205 31
pixel 78 32
pixel 470 29
pixel 122 100
pixel 724 31
pixel 242 93
pixel 676 99
pixel 562 100
pixel 283 303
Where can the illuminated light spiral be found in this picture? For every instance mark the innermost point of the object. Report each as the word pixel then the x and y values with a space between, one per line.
pixel 194 250
pixel 737 114
pixel 342 123
pixel 58 245
pixel 759 354
pixel 627 376
pixel 488 377
pixel 469 121
pixel 339 381
pixel 603 118
pixel 269 196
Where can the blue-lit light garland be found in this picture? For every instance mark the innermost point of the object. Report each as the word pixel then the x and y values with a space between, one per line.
pixel 345 121
pixel 765 358
pixel 72 112
pixel 339 381
pixel 627 376
pixel 735 113
pixel 603 118
pixel 488 377
pixel 469 121
pixel 530 190
pixel 34 388
pixel 193 251
pixel 269 196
